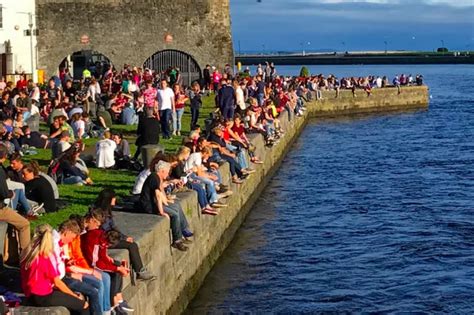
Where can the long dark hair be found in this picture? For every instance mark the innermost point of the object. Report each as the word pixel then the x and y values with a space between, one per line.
pixel 104 199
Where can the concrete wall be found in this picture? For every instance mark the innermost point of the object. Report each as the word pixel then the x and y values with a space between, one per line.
pixel 15 22
pixel 130 31
pixel 180 274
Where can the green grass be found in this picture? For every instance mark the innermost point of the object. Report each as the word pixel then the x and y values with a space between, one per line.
pixel 80 197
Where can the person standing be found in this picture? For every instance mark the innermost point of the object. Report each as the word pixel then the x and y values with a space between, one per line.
pixel 180 99
pixel 226 100
pixel 166 105
pixel 148 131
pixel 196 103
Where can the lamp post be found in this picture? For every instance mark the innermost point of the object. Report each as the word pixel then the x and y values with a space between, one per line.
pixel 30 29
pixel 385 42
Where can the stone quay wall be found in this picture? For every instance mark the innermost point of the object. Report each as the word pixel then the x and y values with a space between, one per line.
pixel 180 274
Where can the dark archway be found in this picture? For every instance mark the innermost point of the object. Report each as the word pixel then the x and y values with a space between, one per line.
pixel 162 61
pixel 96 62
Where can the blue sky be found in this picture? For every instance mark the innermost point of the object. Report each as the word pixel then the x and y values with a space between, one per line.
pixel 274 25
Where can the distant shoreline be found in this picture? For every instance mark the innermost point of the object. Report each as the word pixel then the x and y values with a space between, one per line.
pixel 358 58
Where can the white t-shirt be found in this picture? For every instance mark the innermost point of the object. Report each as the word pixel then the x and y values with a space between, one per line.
pixel 78 125
pixel 239 95
pixel 194 160
pixel 165 98
pixel 137 188
pixel 104 150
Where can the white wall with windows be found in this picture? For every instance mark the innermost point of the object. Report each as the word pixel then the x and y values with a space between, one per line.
pixel 15 19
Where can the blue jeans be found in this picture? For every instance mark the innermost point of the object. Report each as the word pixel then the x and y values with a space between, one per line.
pixel 178 220
pixel 227 112
pixel 177 116
pixel 165 117
pixel 73 180
pixel 90 291
pixel 194 116
pixel 210 187
pixel 20 197
pixel 103 286
pixel 201 193
pixel 241 159
pixel 260 98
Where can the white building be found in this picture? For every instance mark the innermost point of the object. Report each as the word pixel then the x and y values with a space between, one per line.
pixel 17 22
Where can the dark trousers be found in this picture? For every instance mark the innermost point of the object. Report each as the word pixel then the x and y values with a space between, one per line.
pixel 58 298
pixel 134 253
pixel 115 284
pixel 194 117
pixel 165 117
pixel 235 168
pixel 227 113
pixel 87 290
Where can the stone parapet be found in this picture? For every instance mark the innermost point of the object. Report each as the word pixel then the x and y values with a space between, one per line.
pixel 180 274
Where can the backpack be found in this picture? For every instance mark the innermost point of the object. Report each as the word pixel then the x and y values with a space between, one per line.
pixel 55 172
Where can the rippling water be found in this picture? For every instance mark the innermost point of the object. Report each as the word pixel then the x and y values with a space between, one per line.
pixel 366 214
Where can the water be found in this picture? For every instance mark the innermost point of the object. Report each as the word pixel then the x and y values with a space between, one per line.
pixel 366 214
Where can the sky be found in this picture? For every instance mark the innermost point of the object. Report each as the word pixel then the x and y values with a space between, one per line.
pixel 352 25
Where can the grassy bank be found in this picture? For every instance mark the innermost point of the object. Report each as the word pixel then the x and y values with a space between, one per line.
pixel 80 197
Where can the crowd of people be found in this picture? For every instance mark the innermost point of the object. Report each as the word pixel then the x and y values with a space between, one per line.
pixel 70 266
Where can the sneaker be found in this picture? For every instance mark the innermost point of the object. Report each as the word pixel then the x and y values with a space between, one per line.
pixel 237 181
pixel 187 233
pixel 226 194
pixel 124 306
pixel 35 210
pixel 218 204
pixel 179 246
pixel 178 133
pixel 145 275
pixel 209 211
pixel 186 241
pixel 250 171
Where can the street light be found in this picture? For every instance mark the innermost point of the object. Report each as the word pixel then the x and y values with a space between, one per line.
pixel 385 42
pixel 303 52
pixel 30 25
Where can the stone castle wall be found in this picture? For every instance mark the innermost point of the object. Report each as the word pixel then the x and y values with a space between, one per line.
pixel 130 31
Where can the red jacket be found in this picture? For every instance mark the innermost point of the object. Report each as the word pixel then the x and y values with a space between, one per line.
pixel 94 248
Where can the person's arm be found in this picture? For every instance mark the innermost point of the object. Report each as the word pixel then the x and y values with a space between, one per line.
pixel 173 103
pixel 159 203
pixel 58 283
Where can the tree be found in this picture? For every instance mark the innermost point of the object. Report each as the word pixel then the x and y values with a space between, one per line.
pixel 304 73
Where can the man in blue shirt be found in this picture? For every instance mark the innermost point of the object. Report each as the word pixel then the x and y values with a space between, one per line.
pixel 226 99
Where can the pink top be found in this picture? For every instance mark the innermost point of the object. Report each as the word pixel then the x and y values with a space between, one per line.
pixel 39 278
pixel 149 95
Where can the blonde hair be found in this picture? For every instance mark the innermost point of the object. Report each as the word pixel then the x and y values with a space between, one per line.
pixel 182 151
pixel 42 244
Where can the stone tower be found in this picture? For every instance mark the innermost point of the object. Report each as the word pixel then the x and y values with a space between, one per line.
pixel 131 31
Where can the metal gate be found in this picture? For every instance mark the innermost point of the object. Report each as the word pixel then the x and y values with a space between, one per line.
pixel 163 60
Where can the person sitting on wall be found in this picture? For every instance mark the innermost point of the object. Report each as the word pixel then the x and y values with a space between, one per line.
pixel 153 200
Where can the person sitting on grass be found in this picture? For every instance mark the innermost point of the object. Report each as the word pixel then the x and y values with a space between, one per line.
pixel 94 245
pixel 38 188
pixel 72 174
pixel 153 200
pixel 105 150
pixel 40 276
pixel 107 201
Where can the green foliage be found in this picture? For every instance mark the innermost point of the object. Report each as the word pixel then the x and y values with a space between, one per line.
pixel 304 72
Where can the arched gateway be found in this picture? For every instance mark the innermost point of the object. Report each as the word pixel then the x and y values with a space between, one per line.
pixel 130 34
pixel 187 66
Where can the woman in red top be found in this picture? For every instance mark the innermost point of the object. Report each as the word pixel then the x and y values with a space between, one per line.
pixel 40 277
pixel 180 100
pixel 94 246
pixel 238 130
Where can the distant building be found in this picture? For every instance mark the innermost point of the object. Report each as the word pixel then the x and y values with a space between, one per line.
pixel 17 37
